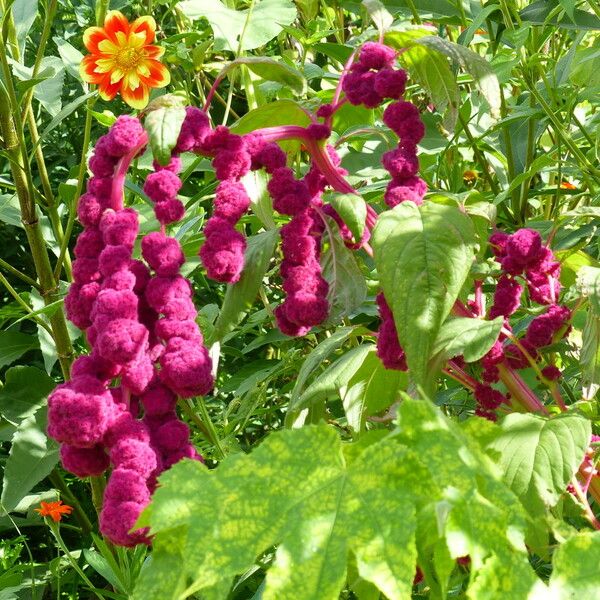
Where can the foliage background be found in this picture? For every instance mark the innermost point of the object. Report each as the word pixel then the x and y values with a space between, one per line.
pixel 512 136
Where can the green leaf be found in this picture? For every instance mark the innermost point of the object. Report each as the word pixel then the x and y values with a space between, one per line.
pixel 471 338
pixel 370 390
pixel 241 295
pixel 318 501
pixel 49 83
pixel 316 507
pixel 423 256
pixel 347 286
pixel 71 57
pixel 589 355
pixel 575 574
pixel 13 345
pixel 353 211
pixel 24 13
pixel 379 14
pixel 32 456
pixel 588 285
pixel 538 13
pixel 24 391
pixel 430 70
pixel 472 63
pixel 270 70
pixel 61 116
pixel 539 456
pixel 280 112
pixel 308 8
pixel 334 378
pixel 255 26
pixel 163 126
pixel 316 357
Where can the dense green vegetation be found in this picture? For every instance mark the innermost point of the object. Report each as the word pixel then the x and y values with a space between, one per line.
pixel 326 475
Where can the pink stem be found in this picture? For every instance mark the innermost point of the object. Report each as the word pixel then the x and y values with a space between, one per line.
pixel 212 91
pixel 338 88
pixel 458 378
pixel 479 298
pixel 457 369
pixel 118 184
pixel 520 390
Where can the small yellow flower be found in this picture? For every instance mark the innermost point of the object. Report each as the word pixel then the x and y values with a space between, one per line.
pixel 123 59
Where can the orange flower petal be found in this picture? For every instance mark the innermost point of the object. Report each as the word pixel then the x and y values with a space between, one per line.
pixel 137 98
pixel 153 51
pixel 87 69
pixel 159 76
pixel 147 25
pixel 92 36
pixel 108 90
pixel 116 21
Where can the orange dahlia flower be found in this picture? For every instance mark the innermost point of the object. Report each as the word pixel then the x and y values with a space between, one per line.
pixel 123 59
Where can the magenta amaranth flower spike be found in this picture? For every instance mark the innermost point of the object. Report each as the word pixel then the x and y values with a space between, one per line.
pixel 523 259
pixel 134 320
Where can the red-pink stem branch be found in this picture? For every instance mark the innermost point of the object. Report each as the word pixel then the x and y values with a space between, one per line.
pixel 118 183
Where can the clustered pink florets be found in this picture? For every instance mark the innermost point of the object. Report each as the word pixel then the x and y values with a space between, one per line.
pixel 133 318
pixel 389 350
pixel 523 255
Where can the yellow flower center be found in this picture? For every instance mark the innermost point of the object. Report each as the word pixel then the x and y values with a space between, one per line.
pixel 128 58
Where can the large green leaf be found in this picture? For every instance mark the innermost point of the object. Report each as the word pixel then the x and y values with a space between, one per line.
pixel 32 456
pixel 539 456
pixel 296 490
pixel 24 391
pixel 317 499
pixel 241 295
pixel 576 575
pixel 478 515
pixel 163 125
pixel 24 13
pixel 423 255
pixel 13 345
pixel 256 26
pixel 347 286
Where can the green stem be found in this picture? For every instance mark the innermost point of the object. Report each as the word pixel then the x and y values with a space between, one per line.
pixel 414 11
pixel 14 143
pixel 479 156
pixel 87 132
pixel 8 267
pixel 207 423
pixel 26 103
pixel 59 483
pixel 97 483
pixel 24 305
pixel 560 132
pixel 101 10
pixel 56 532
pixel 529 156
pixel 510 158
